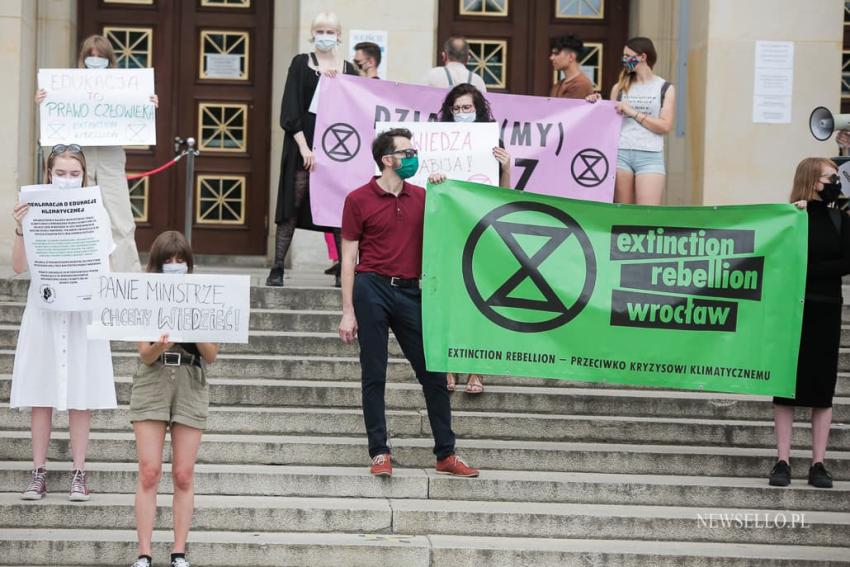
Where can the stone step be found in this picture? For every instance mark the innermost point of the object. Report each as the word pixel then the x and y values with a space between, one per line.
pixel 471 425
pixel 492 454
pixel 294 343
pixel 260 342
pixel 309 298
pixel 323 368
pixel 261 319
pixel 491 486
pixel 220 549
pixel 433 516
pixel 569 401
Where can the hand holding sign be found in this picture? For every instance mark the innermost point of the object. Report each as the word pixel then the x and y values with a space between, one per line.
pixel 97 107
pixel 170 308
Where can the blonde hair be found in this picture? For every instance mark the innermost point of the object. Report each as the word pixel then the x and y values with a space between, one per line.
pixel 70 154
pixel 328 19
pixel 807 176
pixel 98 44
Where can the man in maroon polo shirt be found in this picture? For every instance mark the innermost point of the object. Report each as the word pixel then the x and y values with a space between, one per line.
pixel 382 221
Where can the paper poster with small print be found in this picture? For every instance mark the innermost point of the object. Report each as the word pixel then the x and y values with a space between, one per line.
pixel 97 107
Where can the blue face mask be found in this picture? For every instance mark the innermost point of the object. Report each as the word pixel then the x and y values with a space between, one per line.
pixel 175 268
pixel 408 168
pixel 93 62
pixel 325 42
pixel 465 116
pixel 630 62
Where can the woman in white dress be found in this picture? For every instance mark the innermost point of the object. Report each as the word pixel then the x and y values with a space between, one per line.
pixel 56 366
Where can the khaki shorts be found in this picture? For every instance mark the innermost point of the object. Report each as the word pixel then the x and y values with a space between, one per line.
pixel 173 394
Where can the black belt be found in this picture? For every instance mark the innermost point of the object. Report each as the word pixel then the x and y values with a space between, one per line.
pixel 412 283
pixel 171 358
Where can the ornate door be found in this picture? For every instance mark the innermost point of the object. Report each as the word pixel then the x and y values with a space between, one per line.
pixel 212 61
pixel 509 39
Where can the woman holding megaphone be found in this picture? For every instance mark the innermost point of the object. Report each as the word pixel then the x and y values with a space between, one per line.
pixel 816 189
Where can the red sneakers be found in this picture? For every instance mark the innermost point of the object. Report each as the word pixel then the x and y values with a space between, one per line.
pixel 455 466
pixel 382 465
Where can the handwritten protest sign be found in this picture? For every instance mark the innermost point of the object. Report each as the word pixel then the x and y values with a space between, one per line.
pixel 190 308
pixel 67 240
pixel 460 151
pixel 97 107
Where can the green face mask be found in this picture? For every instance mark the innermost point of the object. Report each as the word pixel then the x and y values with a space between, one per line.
pixel 408 168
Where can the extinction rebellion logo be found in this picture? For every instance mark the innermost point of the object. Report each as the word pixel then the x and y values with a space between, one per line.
pixel 680 278
pixel 513 256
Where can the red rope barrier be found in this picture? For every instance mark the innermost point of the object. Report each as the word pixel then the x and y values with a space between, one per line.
pixel 163 167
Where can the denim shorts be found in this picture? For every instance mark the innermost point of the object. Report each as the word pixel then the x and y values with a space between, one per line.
pixel 640 161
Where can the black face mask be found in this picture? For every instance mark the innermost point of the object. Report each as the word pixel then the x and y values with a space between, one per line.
pixel 832 190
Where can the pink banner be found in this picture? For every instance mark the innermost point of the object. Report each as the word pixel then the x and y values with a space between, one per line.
pixel 561 147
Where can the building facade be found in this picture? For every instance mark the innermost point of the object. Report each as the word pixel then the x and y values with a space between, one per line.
pixel 716 155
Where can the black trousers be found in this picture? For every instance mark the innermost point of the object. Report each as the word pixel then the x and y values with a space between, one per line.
pixel 379 307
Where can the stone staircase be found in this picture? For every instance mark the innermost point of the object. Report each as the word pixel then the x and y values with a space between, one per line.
pixel 574 473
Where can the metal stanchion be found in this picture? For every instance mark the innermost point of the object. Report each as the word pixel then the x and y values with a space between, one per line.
pixel 190 189
pixel 191 154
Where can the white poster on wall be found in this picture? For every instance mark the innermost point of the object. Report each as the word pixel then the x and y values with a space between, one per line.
pixel 190 308
pixel 378 37
pixel 67 239
pixel 773 82
pixel 462 151
pixel 97 107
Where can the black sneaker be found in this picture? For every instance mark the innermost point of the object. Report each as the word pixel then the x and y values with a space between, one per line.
pixel 142 561
pixel 180 562
pixel 780 475
pixel 819 477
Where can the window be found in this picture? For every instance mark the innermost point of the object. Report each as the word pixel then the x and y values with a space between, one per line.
pixel 133 46
pixel 223 127
pixel 224 55
pixel 139 189
pixel 483 7
pixel 226 3
pixel 585 9
pixel 488 58
pixel 220 199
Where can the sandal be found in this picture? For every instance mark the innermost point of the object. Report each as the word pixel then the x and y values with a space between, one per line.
pixel 450 381
pixel 475 384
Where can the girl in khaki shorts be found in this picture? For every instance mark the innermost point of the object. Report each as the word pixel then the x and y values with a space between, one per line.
pixel 169 390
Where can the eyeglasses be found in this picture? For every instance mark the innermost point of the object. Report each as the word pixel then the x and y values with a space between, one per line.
pixel 410 152
pixel 463 108
pixel 359 64
pixel 62 148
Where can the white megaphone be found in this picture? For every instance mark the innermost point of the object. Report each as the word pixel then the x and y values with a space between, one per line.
pixel 822 123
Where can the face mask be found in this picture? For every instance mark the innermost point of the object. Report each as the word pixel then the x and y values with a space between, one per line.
pixel 93 62
pixel 630 62
pixel 409 167
pixel 175 268
pixel 832 190
pixel 465 116
pixel 325 42
pixel 68 182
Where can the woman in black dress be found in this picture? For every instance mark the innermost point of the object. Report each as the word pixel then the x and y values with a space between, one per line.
pixel 293 192
pixel 816 188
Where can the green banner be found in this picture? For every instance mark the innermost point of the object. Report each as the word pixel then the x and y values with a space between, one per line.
pixel 701 298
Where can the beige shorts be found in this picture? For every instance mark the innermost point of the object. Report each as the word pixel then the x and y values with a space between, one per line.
pixel 173 394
